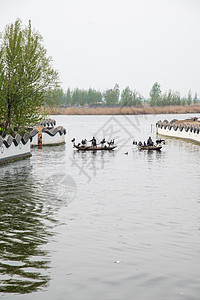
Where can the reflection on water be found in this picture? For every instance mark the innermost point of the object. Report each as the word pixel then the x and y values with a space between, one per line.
pixel 24 230
pixel 89 163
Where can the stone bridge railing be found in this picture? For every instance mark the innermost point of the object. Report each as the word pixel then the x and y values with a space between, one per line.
pixel 18 147
pixel 13 148
pixel 181 130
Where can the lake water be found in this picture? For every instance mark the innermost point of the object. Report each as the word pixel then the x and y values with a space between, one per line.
pixel 102 225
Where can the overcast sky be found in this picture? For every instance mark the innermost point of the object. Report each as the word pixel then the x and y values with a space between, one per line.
pixel 97 43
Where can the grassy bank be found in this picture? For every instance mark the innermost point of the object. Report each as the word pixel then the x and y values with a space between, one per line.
pixel 124 110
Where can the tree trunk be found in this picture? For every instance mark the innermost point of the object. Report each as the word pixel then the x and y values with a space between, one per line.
pixel 8 118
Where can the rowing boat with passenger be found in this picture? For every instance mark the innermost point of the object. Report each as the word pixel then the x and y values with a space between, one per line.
pixel 149 147
pixel 94 148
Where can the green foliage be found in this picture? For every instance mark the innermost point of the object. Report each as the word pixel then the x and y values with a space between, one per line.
pixel 26 76
pixel 68 98
pixel 155 94
pixel 170 97
pixel 130 98
pixel 111 96
pixel 53 97
pixel 195 100
pixel 189 99
pixel 78 97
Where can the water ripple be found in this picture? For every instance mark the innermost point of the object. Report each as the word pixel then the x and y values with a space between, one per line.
pixel 23 233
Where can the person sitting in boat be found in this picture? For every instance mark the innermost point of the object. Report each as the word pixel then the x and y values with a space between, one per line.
pixel 149 142
pixel 94 141
pixel 145 144
pixel 139 143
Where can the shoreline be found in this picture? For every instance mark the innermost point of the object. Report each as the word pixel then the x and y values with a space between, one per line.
pixel 123 110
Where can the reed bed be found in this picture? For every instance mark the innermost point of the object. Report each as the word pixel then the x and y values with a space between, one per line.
pixel 123 110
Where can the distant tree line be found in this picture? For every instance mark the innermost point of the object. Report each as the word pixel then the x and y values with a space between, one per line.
pixel 170 97
pixel 92 97
pixel 113 97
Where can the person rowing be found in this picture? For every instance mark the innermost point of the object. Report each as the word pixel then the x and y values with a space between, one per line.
pixel 94 142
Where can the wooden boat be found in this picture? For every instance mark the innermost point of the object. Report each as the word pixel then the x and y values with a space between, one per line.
pixel 94 148
pixel 149 147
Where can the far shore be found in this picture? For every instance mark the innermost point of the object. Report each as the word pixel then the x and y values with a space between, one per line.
pixel 123 110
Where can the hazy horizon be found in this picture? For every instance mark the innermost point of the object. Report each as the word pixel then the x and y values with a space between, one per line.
pixel 132 43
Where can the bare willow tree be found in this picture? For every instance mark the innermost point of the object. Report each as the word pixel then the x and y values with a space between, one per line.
pixel 26 76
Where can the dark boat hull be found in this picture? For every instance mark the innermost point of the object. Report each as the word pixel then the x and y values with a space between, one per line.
pixel 92 148
pixel 149 147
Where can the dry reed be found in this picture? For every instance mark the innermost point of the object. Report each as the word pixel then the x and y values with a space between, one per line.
pixel 123 110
